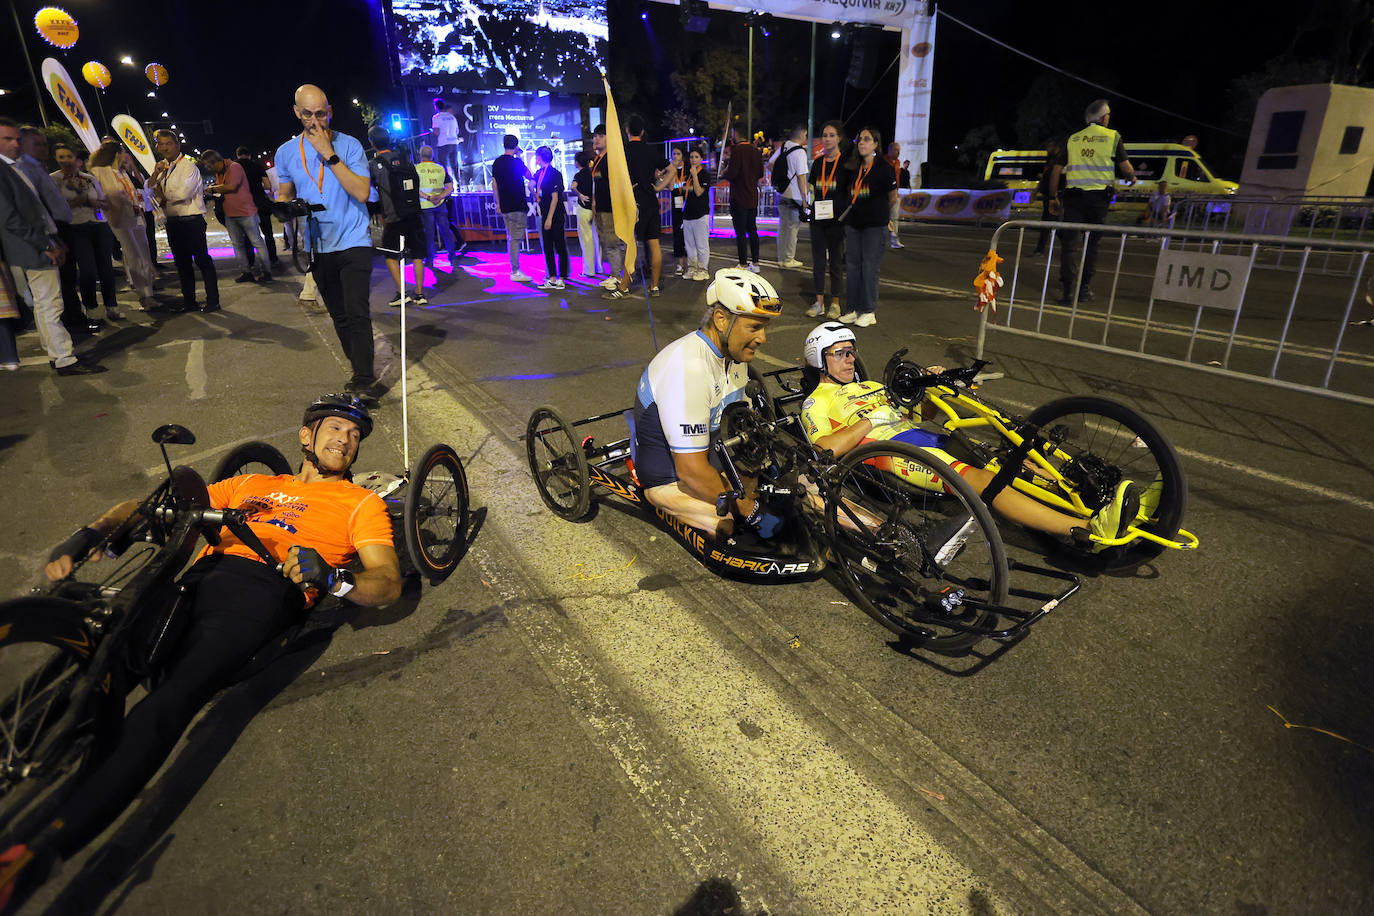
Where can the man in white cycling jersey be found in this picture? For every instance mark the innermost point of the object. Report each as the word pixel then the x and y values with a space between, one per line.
pixel 680 399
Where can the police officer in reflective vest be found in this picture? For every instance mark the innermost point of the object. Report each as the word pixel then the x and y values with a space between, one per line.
pixel 1085 169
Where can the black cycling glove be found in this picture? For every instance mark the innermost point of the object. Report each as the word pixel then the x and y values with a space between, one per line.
pixel 82 541
pixel 315 571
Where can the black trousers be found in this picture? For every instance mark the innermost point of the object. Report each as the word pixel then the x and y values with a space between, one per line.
pixel 93 249
pixel 239 605
pixel 345 279
pixel 186 238
pixel 679 239
pixel 265 220
pixel 72 315
pixel 827 251
pixel 150 231
pixel 746 221
pixel 1081 207
pixel 556 243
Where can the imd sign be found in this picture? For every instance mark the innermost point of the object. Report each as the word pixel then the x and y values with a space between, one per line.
pixel 1200 278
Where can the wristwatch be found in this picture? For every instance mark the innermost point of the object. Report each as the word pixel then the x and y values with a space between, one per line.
pixel 332 160
pixel 344 581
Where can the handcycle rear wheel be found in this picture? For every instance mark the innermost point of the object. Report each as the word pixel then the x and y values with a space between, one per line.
pixel 45 646
pixel 251 458
pixel 558 464
pixel 1107 441
pixel 923 563
pixel 436 512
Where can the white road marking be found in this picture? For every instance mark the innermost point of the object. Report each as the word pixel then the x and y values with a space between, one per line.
pixel 196 377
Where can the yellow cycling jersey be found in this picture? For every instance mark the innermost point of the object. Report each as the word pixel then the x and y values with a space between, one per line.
pixel 834 407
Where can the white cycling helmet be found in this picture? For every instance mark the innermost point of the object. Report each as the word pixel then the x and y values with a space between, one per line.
pixel 743 292
pixel 822 338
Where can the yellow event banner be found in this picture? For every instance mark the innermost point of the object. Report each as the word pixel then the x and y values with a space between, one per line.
pixel 131 132
pixel 59 83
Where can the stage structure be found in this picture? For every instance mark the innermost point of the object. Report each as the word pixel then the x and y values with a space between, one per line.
pixel 915 19
pixel 504 67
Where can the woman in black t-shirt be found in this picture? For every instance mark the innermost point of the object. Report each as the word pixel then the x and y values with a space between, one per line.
pixel 830 181
pixel 872 193
pixel 586 221
pixel 679 199
pixel 695 209
pixel 553 218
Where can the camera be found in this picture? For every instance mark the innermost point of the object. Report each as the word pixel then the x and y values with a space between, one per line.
pixel 290 209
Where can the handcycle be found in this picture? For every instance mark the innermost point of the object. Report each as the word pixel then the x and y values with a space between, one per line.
pixel 70 658
pixel 930 566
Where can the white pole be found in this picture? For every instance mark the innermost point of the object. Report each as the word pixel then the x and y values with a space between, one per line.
pixel 405 417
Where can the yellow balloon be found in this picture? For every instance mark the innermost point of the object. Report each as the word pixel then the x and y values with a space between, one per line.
pixel 56 26
pixel 157 74
pixel 96 73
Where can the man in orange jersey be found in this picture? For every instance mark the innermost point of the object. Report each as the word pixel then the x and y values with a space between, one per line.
pixel 313 524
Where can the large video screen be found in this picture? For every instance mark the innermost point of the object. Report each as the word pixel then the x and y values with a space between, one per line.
pixel 554 45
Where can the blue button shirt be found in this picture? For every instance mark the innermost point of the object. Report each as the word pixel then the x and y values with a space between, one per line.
pixel 343 223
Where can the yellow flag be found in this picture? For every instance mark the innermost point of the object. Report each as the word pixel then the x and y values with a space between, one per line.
pixel 623 205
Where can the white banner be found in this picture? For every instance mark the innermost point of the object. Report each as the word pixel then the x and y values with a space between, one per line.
pixel 914 79
pixel 63 90
pixel 890 14
pixel 1215 281
pixel 955 204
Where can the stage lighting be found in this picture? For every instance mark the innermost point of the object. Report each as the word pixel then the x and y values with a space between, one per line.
pixel 836 30
pixel 396 122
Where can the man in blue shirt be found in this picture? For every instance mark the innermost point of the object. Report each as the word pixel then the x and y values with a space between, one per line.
pixel 323 166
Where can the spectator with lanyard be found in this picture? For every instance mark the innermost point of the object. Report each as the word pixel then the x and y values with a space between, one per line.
pixel 872 195
pixel 695 212
pixel 330 169
pixel 315 524
pixel 830 181
pixel 124 212
pixel 680 399
pixel 843 411
pixel 553 218
pixel 679 186
pixel 894 160
pixel 612 248
pixel 92 240
pixel 581 188
pixel 179 191
pixel 742 166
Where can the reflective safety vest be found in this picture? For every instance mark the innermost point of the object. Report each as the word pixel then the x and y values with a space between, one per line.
pixel 433 177
pixel 1091 153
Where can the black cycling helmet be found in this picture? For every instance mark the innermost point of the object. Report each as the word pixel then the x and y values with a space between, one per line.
pixel 340 405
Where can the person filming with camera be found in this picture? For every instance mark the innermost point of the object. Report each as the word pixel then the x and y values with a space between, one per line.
pixel 322 167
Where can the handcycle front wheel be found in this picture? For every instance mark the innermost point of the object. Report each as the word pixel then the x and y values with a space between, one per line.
pixel 251 458
pixel 436 512
pixel 558 464
pixel 1104 442
pixel 925 563
pixel 45 646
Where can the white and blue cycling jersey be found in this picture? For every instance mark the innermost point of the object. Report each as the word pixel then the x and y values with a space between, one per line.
pixel 678 404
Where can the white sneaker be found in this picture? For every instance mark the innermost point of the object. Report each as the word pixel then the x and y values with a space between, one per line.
pixel 609 283
pixel 833 311
pixel 790 264
pixel 816 310
pixel 754 267
pixel 847 318
pixel 678 270
pixel 866 320
pixel 703 274
pixel 559 283
pixel 519 276
pixel 549 283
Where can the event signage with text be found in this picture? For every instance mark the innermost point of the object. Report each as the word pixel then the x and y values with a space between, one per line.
pixel 955 204
pixel 131 132
pixel 64 92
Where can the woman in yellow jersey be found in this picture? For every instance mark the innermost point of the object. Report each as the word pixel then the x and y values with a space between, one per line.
pixel 843 411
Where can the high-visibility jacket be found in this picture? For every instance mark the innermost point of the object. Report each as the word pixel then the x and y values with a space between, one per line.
pixel 1091 158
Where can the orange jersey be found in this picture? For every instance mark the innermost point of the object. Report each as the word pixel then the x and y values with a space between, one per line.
pixel 334 517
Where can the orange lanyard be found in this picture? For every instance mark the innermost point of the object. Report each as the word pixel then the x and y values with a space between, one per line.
pixel 539 181
pixel 319 183
pixel 171 167
pixel 828 181
pixel 859 184
pixel 597 164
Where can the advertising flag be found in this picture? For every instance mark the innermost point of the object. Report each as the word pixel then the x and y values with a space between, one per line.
pixel 131 132
pixel 622 193
pixel 59 83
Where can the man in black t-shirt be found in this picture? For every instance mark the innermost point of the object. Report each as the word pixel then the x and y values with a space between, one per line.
pixel 509 174
pixel 649 174
pixel 612 248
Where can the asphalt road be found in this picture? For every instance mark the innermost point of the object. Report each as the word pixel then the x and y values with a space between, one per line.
pixel 582 719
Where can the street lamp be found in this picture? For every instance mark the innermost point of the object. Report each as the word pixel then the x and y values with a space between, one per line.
pixel 127 61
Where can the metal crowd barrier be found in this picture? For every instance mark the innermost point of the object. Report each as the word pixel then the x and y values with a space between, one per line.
pixel 1222 302
pixel 1302 221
